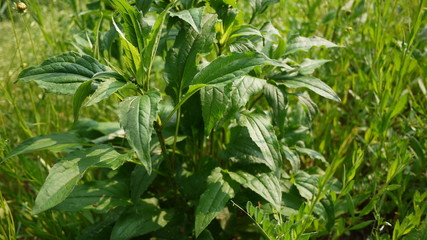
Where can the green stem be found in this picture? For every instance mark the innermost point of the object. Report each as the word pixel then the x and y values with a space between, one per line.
pixel 18 44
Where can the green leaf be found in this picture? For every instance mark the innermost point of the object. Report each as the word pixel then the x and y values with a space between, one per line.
pixel 304 44
pixel 308 66
pixel 306 184
pixel 225 69
pixel 151 45
pixel 214 104
pixel 64 73
pixel 132 25
pixel 104 90
pixel 53 142
pixel 84 90
pixel 192 16
pixel 292 157
pixel 140 179
pixel 266 185
pixel 262 133
pixel 217 194
pixel 243 88
pixel 97 195
pixel 312 154
pixel 311 106
pixel 180 64
pixel 314 84
pixel 326 211
pixel 277 99
pixel 140 219
pixel 242 149
pixel 64 176
pixel 137 115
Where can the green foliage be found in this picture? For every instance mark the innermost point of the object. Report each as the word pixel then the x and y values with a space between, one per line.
pixel 199 104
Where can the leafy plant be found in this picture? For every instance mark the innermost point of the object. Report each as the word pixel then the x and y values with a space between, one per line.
pixel 226 119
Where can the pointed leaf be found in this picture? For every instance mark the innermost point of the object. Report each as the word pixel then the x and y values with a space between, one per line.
pixel 193 16
pixel 262 133
pixel 308 66
pixel 137 115
pixel 306 184
pixel 304 44
pixel 242 149
pixel 64 73
pixel 214 103
pixel 211 202
pixel 64 176
pixel 264 184
pixel 53 142
pixel 225 69
pixel 104 90
pixel 314 84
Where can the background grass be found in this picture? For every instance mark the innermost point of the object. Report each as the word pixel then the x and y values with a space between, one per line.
pixel 377 134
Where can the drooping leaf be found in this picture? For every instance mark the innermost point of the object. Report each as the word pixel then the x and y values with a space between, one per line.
pixel 224 69
pixel 140 179
pixel 314 84
pixel 263 135
pixel 242 149
pixel 304 44
pixel 266 185
pixel 137 115
pixel 143 5
pixel 98 195
pixel 64 176
pixel 193 16
pixel 141 218
pixel 180 64
pixel 53 142
pixel 214 103
pixel 64 73
pixel 308 66
pixel 217 194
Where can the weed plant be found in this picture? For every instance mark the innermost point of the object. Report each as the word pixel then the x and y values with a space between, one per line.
pixel 216 136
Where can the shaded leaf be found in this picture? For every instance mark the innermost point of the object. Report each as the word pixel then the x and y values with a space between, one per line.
pixel 140 179
pixel 140 219
pixel 217 194
pixel 277 99
pixel 97 195
pixel 104 90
